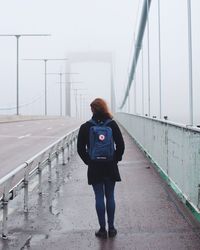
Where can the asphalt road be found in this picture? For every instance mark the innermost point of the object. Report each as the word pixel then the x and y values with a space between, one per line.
pixel 20 140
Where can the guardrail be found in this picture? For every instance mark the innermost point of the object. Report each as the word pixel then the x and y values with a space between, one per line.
pixel 174 149
pixel 19 178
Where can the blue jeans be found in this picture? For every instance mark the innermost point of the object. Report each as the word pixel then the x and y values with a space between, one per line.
pixel 105 188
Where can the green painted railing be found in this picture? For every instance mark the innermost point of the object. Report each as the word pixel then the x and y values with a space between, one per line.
pixel 175 151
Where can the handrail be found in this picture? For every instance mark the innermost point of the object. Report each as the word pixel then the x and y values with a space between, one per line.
pixel 9 186
pixel 167 122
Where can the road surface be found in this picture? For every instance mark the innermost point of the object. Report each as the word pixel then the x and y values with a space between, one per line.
pixel 20 140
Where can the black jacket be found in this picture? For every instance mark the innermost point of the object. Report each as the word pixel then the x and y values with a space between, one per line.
pixel 97 171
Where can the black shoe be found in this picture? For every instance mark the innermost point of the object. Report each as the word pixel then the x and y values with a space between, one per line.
pixel 112 232
pixel 101 233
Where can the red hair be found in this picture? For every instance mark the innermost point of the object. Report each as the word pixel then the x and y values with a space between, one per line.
pixel 99 106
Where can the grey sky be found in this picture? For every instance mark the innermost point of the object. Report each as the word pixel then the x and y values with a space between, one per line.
pixel 77 25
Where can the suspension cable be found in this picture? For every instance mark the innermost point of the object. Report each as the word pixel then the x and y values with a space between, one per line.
pixel 138 45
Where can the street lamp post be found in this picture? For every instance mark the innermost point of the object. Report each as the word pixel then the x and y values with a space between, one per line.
pixel 61 74
pixel 60 83
pixel 76 101
pixel 45 60
pixel 17 76
pixel 82 100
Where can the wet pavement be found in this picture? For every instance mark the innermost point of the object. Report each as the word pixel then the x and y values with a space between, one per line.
pixel 148 213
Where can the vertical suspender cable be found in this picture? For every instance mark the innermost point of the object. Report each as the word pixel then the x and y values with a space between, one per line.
pixel 60 94
pixel 17 112
pixel 142 82
pixel 148 53
pixel 135 87
pixel 159 55
pixel 190 63
pixel 113 100
pixel 45 87
pixel 135 94
pixel 129 103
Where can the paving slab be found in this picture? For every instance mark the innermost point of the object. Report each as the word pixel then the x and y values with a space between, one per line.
pixel 148 213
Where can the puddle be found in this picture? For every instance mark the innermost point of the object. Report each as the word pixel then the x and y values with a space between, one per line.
pixel 37 238
pixel 34 240
pixel 53 208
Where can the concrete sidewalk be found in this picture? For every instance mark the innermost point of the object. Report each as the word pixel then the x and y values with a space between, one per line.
pixel 148 213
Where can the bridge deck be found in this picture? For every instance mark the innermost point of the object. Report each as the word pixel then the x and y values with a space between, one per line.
pixel 148 213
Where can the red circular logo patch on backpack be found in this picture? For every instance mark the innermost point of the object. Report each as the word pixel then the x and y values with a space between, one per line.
pixel 101 137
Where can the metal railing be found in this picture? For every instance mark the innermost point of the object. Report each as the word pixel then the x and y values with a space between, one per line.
pixel 154 80
pixel 174 149
pixel 19 178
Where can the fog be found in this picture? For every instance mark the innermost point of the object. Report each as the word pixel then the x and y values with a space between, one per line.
pixel 96 26
pixel 75 26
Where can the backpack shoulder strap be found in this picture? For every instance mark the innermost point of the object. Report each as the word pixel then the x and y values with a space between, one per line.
pixel 107 122
pixel 101 124
pixel 92 121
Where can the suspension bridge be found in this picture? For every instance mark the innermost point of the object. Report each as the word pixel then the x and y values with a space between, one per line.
pixel 45 200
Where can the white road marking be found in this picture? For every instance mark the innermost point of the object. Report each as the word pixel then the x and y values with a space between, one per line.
pixel 8 136
pixel 24 136
pixel 49 128
pixel 20 125
pixel 33 136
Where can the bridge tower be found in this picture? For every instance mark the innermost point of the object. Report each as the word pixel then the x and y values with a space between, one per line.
pixel 78 57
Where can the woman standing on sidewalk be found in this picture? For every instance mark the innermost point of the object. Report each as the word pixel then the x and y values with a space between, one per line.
pixel 102 173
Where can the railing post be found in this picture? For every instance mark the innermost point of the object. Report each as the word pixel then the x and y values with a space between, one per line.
pixel 5 208
pixel 5 219
pixel 68 153
pixel 72 146
pixel 26 183
pixel 75 143
pixel 57 158
pixel 40 178
pixel 25 196
pixel 63 156
pixel 49 164
pixel 71 150
pixel 57 170
pixel 50 197
pixel 57 163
